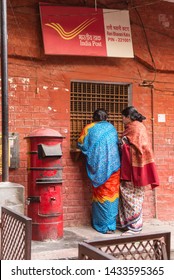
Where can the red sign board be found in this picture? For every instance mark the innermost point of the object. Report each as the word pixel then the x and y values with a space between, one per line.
pixel 85 31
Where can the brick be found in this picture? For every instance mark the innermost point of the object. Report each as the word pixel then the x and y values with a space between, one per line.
pixel 39 95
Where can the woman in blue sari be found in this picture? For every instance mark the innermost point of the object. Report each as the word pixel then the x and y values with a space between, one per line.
pixel 99 143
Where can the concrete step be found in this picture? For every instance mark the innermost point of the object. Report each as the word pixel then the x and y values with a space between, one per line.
pixel 172 254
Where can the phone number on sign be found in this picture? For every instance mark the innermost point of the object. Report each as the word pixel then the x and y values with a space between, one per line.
pixel 134 270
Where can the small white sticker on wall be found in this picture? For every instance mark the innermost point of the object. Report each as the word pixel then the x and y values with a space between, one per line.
pixel 161 118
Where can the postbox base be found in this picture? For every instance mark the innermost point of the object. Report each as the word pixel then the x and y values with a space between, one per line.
pixel 51 231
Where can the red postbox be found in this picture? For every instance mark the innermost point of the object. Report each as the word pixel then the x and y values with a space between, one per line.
pixel 45 183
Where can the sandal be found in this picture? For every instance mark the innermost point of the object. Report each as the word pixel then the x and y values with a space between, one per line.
pixel 110 232
pixel 130 232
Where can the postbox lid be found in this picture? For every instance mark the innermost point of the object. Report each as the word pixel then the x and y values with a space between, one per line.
pixel 45 132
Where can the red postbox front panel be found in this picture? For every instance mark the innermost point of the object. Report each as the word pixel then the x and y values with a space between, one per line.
pixel 44 184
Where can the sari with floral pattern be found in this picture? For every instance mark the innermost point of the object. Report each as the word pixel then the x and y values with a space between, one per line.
pixel 99 143
pixel 137 171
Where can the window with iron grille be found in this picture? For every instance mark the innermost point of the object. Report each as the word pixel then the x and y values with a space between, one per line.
pixel 86 97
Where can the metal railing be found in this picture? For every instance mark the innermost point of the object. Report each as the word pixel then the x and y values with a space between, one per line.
pixel 16 233
pixel 153 246
pixel 88 96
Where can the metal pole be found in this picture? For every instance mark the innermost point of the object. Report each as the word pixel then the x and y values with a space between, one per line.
pixel 4 82
pixel 153 144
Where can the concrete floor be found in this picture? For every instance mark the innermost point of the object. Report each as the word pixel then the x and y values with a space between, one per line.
pixel 67 247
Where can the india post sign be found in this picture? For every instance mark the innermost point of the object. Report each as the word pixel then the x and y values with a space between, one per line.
pixel 85 31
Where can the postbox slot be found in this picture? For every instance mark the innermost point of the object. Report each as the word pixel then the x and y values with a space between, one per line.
pixel 49 151
pixel 49 215
pixel 48 181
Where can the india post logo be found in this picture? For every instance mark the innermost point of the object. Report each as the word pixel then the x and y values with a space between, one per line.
pixel 73 33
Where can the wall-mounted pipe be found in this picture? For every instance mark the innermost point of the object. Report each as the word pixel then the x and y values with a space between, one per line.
pixel 153 142
pixel 4 81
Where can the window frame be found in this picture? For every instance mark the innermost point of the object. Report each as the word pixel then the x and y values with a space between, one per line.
pixel 83 118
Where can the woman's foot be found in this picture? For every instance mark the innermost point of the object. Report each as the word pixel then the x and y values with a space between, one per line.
pixel 130 232
pixel 110 232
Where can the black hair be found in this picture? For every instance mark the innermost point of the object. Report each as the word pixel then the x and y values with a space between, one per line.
pixel 100 115
pixel 133 114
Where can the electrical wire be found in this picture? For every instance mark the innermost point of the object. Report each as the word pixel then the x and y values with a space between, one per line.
pixel 132 7
pixel 98 4
pixel 14 12
pixel 148 47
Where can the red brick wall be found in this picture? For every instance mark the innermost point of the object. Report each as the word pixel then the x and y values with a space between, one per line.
pixel 39 96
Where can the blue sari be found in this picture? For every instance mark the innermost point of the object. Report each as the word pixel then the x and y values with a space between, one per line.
pixel 99 143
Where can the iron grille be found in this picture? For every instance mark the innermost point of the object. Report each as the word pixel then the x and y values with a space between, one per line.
pixel 15 235
pixel 86 97
pixel 154 246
